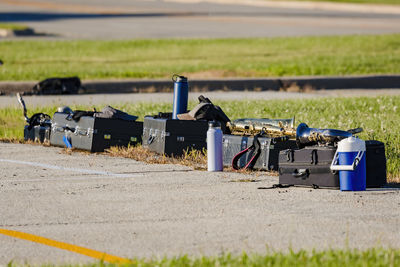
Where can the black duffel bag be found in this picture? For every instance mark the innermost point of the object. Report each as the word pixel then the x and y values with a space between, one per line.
pixel 58 86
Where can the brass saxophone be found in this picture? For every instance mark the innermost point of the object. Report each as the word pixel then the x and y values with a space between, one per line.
pixel 304 135
pixel 269 127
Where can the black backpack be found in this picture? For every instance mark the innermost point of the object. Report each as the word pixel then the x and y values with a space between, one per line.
pixel 58 86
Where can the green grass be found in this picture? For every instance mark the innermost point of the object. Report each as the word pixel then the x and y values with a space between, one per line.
pixel 354 258
pixel 337 55
pixel 11 26
pixel 390 2
pixel 376 257
pixel 379 116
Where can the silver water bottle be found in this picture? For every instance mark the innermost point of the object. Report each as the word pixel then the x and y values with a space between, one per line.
pixel 214 147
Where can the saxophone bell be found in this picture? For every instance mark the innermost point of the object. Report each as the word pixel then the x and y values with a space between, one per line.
pixel 306 136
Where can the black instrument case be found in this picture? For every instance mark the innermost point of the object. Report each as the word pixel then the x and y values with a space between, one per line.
pixel 310 166
pixel 269 155
pixel 172 137
pixel 94 134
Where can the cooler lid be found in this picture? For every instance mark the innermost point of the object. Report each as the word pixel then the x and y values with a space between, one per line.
pixel 351 144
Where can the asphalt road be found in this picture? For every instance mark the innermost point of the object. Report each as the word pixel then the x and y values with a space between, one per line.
pixel 132 209
pixel 134 98
pixel 123 19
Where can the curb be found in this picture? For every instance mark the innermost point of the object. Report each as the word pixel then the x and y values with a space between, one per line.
pixel 233 84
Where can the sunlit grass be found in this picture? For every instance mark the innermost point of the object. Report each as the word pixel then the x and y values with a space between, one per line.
pixel 377 257
pixel 252 57
pixel 12 26
pixel 379 116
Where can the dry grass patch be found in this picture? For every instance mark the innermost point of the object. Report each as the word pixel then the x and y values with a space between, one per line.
pixel 22 141
pixel 393 180
pixel 14 141
pixel 295 88
pixel 192 158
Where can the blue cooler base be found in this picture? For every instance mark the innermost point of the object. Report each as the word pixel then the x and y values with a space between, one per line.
pixel 352 180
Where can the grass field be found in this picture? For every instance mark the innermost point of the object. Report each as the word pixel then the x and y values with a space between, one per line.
pixel 379 116
pixel 12 26
pixel 376 257
pixel 203 58
pixel 330 258
pixel 380 2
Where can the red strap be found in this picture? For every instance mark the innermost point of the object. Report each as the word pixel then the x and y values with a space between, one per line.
pixel 239 155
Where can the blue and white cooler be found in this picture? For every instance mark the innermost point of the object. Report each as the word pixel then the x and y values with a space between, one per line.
pixel 350 161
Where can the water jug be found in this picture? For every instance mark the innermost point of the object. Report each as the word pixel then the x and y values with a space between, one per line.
pixel 214 147
pixel 350 161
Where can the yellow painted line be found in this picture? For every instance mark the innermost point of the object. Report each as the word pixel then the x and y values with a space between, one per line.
pixel 77 249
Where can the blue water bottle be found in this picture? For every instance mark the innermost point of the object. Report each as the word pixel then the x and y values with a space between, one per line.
pixel 181 91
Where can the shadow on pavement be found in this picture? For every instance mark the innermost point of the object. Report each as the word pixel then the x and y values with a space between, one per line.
pixel 392 185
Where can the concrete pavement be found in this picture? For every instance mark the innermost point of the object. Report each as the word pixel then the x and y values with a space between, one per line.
pixel 336 6
pixel 117 99
pixel 132 209
pixel 121 19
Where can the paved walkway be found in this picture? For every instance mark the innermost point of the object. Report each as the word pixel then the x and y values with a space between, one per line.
pixel 115 99
pixel 349 7
pixel 132 209
pixel 120 19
